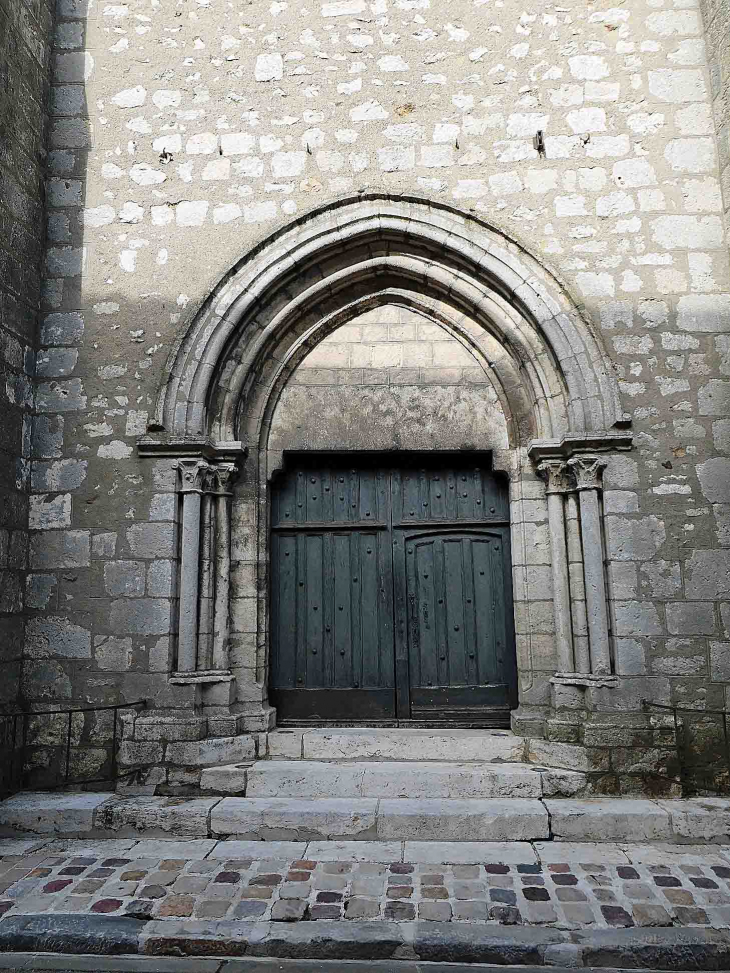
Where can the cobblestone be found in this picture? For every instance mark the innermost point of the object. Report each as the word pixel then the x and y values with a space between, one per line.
pixel 656 887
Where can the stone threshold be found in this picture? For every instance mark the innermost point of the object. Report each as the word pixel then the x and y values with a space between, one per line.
pixel 655 949
pixel 360 819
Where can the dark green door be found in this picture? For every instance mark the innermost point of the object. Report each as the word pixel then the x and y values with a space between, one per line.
pixel 391 593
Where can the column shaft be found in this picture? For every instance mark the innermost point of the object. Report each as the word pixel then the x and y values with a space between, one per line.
pixel 205 633
pixel 222 582
pixel 577 588
pixel 561 587
pixel 595 580
pixel 189 565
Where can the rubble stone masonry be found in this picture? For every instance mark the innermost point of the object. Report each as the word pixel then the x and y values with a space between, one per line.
pixel 185 133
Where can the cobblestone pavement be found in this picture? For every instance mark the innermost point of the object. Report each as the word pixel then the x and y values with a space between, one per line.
pixel 563 885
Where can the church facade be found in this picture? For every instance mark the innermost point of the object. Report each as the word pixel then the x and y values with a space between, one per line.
pixel 372 368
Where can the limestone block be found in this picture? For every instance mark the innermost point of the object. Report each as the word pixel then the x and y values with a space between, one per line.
pixel 634 538
pixel 708 575
pixel 155 728
pixel 455 820
pixel 468 852
pixel 608 819
pixel 50 813
pixel 224 780
pixel 407 744
pixel 211 751
pixel 564 755
pixel 157 815
pixel 304 778
pixel 285 743
pixel 290 818
pixel 691 618
pixel 699 819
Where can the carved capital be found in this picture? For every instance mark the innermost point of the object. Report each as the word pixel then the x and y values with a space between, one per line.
pixel 193 474
pixel 556 474
pixel 588 471
pixel 225 474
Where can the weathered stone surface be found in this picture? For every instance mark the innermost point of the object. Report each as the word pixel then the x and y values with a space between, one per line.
pixel 607 819
pixel 383 744
pixel 157 815
pixel 282 818
pixel 49 813
pixel 454 820
pixel 699 819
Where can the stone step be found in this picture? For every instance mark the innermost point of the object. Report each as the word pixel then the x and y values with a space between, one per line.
pixel 287 818
pixel 366 819
pixel 394 743
pixel 408 779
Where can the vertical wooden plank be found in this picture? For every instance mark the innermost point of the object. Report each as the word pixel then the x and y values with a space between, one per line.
pixel 438 491
pixel 463 499
pixel 300 497
pixel 372 642
pixel 400 589
pixel 340 503
pixel 452 506
pixel 301 664
pixel 342 612
pixel 368 500
pixel 454 583
pixel 500 630
pixel 313 588
pixel 357 615
pixel 471 666
pixel 353 512
pixel 329 662
pixel 328 477
pixel 484 638
pixel 425 639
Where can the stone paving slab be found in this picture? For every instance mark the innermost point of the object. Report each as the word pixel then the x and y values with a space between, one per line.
pixel 583 851
pixel 468 852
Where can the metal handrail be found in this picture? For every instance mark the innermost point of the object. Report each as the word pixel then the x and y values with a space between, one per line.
pixel 691 778
pixel 18 755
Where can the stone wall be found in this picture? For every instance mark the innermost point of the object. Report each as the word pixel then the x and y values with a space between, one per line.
pixel 716 16
pixel 390 379
pixel 180 143
pixel 25 31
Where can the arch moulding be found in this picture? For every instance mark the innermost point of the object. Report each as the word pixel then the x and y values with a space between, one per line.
pixel 225 375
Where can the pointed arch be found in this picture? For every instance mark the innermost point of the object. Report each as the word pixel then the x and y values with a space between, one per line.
pixel 540 352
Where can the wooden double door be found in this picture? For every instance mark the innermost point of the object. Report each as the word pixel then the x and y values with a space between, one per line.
pixel 391 592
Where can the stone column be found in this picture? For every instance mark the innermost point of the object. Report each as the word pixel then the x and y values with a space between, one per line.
pixel 581 651
pixel 224 477
pixel 553 472
pixel 588 472
pixel 207 555
pixel 192 472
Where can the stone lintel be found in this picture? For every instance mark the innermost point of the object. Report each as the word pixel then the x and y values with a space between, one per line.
pixel 198 676
pixel 596 442
pixel 584 679
pixel 199 447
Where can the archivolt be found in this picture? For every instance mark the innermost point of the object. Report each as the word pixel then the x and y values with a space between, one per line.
pixel 545 362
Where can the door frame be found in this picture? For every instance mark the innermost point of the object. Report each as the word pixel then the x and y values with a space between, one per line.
pixel 403 459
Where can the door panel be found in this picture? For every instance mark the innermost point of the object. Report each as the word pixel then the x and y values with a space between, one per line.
pixel 391 593
pixel 457 628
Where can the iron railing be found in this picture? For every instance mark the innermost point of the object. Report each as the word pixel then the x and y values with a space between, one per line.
pixel 701 749
pixel 15 747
